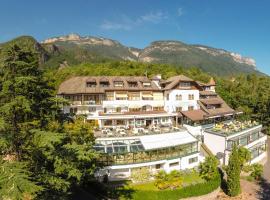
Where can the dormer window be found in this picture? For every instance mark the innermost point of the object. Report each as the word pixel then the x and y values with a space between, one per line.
pixel 118 84
pixel 146 84
pixel 132 84
pixel 104 84
pixel 91 84
pixel 184 84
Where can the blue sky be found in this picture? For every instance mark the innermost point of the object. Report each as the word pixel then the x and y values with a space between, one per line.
pixel 241 26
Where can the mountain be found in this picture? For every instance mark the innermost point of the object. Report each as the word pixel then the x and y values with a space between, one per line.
pixel 209 59
pixel 74 49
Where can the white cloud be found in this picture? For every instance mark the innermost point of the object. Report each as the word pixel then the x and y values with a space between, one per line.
pixel 180 12
pixel 154 17
pixel 125 23
pixel 108 25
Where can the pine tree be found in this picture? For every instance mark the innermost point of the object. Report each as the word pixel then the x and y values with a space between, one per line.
pixel 47 158
pixel 233 173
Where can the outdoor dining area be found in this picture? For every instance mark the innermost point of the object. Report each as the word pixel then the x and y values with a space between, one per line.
pixel 136 131
pixel 233 126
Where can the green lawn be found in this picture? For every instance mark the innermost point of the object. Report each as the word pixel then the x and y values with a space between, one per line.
pixel 193 186
pixel 188 179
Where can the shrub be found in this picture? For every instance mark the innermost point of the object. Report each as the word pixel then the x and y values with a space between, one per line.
pixel 172 180
pixel 140 175
pixel 244 156
pixel 233 173
pixel 247 168
pixel 209 168
pixel 257 170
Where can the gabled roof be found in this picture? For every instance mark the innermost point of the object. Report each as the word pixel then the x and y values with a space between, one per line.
pixel 173 81
pixel 208 93
pixel 77 84
pixel 195 115
pixel 210 83
pixel 223 110
pixel 212 101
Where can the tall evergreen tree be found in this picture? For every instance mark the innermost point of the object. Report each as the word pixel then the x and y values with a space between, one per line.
pixel 233 173
pixel 45 156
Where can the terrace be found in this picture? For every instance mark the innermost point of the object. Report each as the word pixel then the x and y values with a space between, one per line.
pixel 140 131
pixel 232 127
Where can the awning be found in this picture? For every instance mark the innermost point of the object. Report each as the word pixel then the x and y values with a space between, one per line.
pixel 166 140
pixel 147 95
pixel 121 95
pixel 158 95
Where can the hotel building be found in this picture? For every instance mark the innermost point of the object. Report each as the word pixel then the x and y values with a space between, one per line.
pixel 155 123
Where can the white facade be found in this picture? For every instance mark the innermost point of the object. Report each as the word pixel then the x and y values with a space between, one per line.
pixel 219 144
pixel 120 172
pixel 172 102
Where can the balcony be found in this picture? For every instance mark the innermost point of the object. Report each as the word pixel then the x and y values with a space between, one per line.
pixel 133 103
pixel 85 103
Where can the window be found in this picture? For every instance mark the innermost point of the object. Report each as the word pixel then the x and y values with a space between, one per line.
pixel 243 141
pixel 118 109
pixel 193 160
pixel 184 84
pixel 147 96
pixel 107 122
pixel 133 96
pixel 118 83
pixel 104 84
pixel 254 136
pixel 207 88
pixel 146 84
pixel 174 164
pixel 120 122
pixel 91 84
pixel 178 109
pixel 92 109
pixel 73 110
pixel 121 96
pixel 132 84
pixel 158 108
pixel 190 108
pixel 191 97
pixel 158 166
pixel 178 97
pixel 110 96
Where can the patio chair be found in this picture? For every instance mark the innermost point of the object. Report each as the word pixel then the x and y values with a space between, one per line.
pixel 122 133
pixel 109 133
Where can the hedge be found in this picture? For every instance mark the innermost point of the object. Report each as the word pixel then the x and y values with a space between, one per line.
pixel 189 191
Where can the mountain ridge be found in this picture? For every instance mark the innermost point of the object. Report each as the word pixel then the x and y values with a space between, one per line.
pixel 74 49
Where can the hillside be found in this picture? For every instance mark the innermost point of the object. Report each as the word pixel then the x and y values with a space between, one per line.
pixel 73 49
